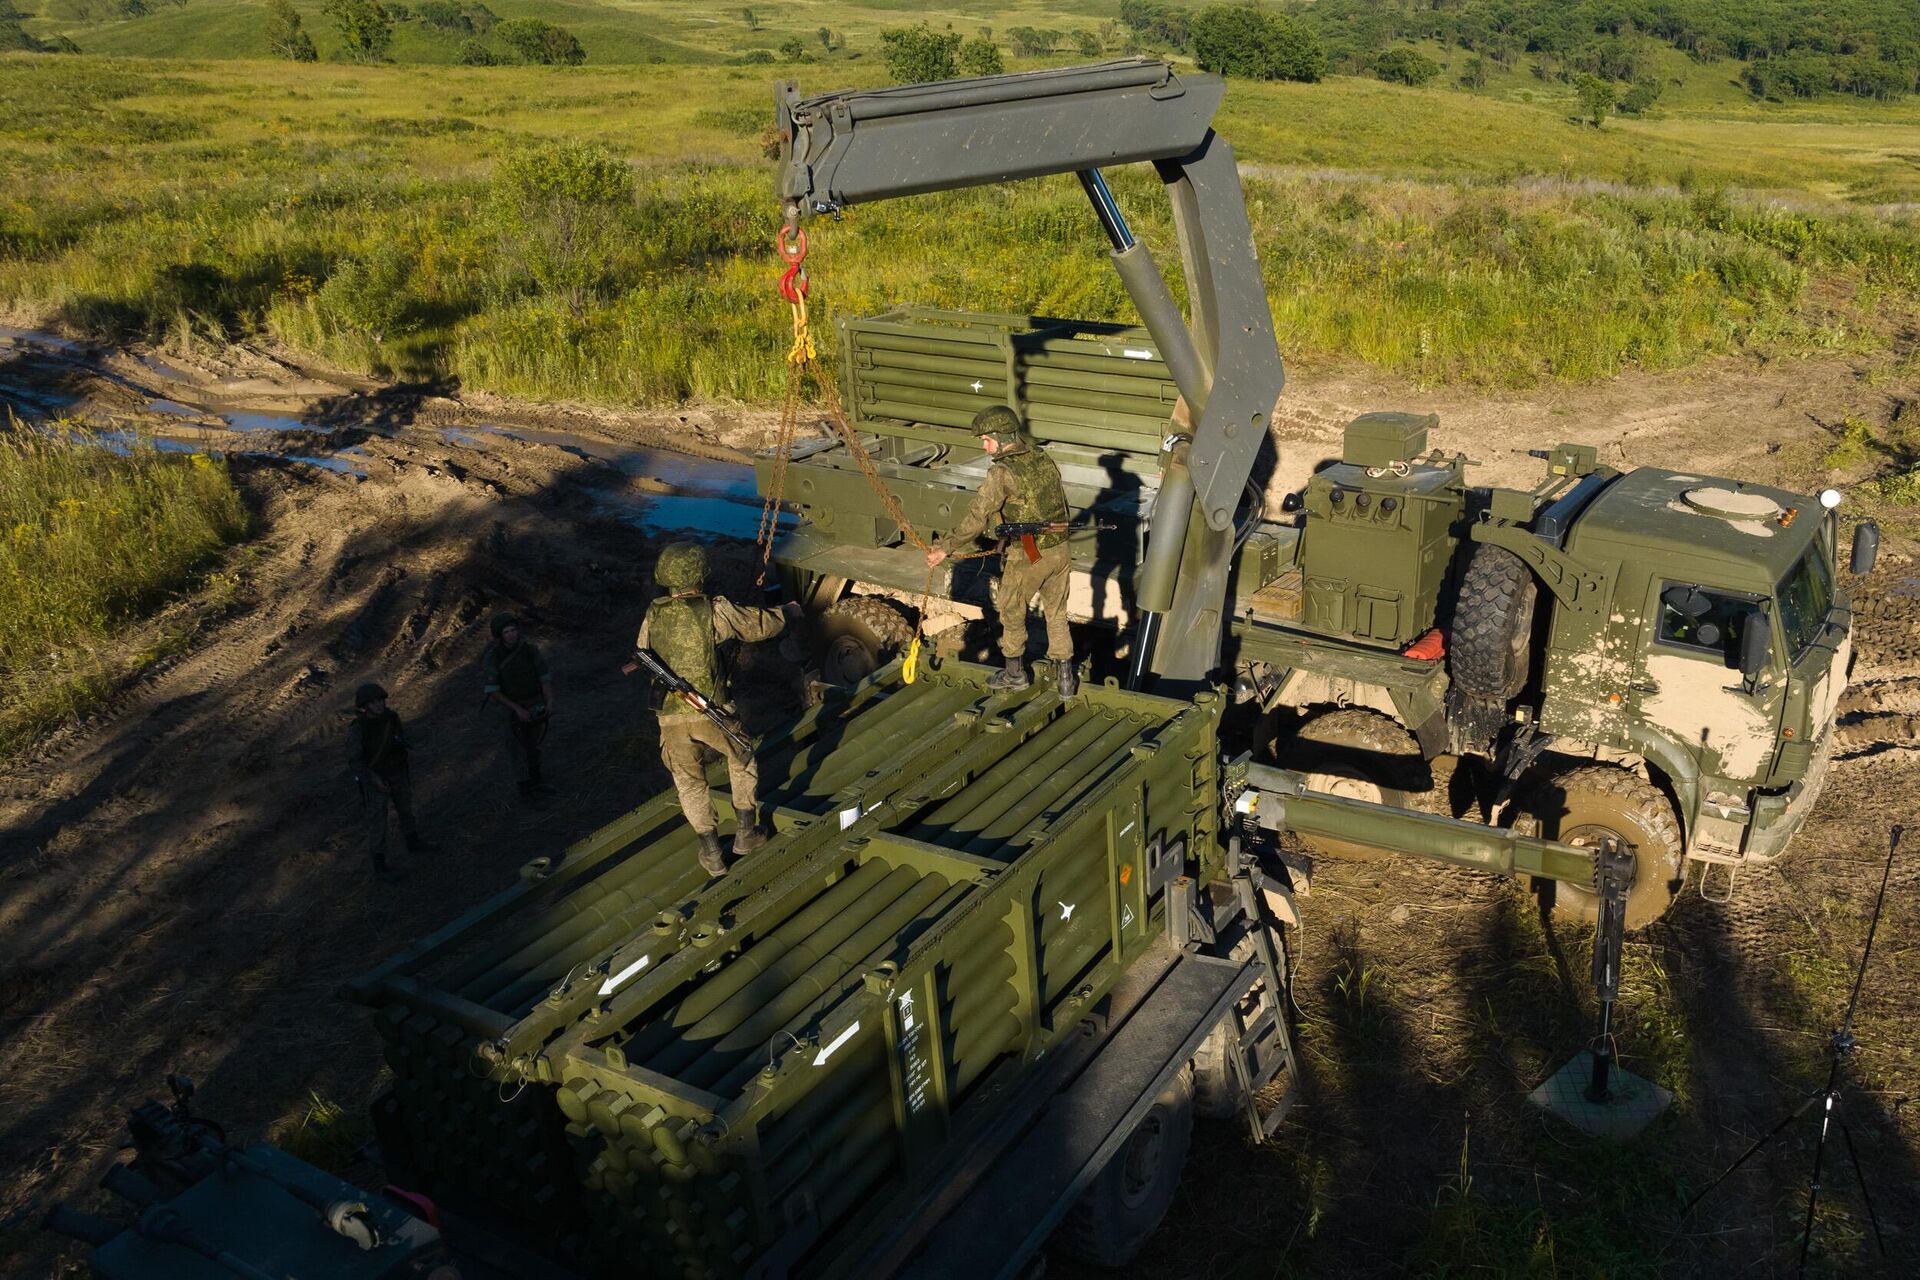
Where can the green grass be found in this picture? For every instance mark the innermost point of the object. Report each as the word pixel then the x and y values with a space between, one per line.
pixel 325 1134
pixel 176 201
pixel 91 539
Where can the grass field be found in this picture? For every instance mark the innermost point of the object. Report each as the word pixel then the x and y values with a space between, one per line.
pixel 91 538
pixel 1476 240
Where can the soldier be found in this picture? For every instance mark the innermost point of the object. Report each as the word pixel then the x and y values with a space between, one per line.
pixel 686 628
pixel 377 760
pixel 518 679
pixel 1022 487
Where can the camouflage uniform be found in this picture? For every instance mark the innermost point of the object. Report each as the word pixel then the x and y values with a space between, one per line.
pixel 520 675
pixel 686 629
pixel 377 763
pixel 1023 487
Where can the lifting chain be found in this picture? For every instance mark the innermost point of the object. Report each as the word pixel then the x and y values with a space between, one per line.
pixel 791 242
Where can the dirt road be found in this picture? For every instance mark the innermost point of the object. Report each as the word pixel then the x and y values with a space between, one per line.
pixel 180 886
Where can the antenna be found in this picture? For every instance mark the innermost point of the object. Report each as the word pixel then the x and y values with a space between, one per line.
pixel 1840 1046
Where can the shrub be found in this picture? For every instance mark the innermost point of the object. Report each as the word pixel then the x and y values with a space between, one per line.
pixel 364 27
pixel 475 53
pixel 1638 98
pixel 541 42
pixel 794 49
pixel 1155 23
pixel 1405 66
pixel 444 14
pixel 1596 98
pixel 918 54
pixel 369 293
pixel 286 36
pixel 559 207
pixel 1087 44
pixel 981 57
pixel 1239 40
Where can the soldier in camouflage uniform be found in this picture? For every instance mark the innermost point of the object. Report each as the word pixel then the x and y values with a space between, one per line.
pixel 518 679
pixel 1022 487
pixel 377 763
pixel 686 628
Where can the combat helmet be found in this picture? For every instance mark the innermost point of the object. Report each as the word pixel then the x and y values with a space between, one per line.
pixel 682 566
pixel 1003 426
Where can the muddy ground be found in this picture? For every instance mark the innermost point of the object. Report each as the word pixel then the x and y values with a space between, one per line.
pixel 181 888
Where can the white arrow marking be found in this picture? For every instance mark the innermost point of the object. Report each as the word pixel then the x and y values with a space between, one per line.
pixel 838 1040
pixel 1135 354
pixel 1066 910
pixel 606 988
pixel 977 384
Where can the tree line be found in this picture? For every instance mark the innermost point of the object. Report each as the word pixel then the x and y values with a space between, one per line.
pixel 365 29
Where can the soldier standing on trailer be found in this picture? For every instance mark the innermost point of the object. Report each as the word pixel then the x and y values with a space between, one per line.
pixel 377 762
pixel 686 628
pixel 518 679
pixel 1022 487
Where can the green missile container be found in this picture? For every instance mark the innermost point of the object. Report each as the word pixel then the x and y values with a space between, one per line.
pixel 663 1074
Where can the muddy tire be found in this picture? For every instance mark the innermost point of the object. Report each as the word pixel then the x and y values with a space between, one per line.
pixel 859 635
pixel 1362 755
pixel 1216 1094
pixel 1129 1197
pixel 1581 805
pixel 1490 645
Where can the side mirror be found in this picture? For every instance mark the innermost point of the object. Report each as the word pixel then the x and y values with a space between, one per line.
pixel 1756 645
pixel 1866 547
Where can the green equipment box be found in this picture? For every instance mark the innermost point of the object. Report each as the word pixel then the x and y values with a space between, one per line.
pixel 661 1074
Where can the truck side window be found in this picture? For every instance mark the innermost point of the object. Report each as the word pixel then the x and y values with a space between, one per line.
pixel 1700 618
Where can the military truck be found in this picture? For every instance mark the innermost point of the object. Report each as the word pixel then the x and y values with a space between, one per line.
pixel 1651 654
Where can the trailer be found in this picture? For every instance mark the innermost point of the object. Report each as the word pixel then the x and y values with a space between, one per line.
pixel 952 993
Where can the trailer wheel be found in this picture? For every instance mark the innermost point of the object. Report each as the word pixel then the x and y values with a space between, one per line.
pixel 1130 1196
pixel 1582 805
pixel 858 636
pixel 1216 1094
pixel 1361 755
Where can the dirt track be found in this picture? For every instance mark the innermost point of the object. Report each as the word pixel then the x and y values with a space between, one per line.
pixel 180 887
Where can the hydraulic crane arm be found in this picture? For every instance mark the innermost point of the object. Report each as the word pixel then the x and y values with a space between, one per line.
pixel 861 145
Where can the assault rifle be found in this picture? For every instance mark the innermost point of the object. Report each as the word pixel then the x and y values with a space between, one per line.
pixel 663 673
pixel 1025 533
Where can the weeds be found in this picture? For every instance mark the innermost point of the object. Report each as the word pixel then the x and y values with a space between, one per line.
pixel 1853 446
pixel 94 533
pixel 325 1134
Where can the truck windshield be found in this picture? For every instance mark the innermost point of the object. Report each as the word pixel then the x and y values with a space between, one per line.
pixel 1805 597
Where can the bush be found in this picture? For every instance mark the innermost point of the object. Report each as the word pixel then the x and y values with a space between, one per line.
pixel 369 293
pixel 1239 40
pixel 1087 44
pixel 364 27
pixel 444 15
pixel 1405 66
pixel 981 57
pixel 1155 23
pixel 1475 75
pixel 475 53
pixel 794 49
pixel 1596 98
pixel 541 42
pixel 559 206
pixel 1638 98
pixel 286 36
pixel 915 55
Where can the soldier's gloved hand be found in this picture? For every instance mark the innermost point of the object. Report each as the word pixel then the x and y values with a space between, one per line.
pixel 793 610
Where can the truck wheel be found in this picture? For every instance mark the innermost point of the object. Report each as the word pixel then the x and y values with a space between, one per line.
pixel 1216 1094
pixel 858 636
pixel 1130 1196
pixel 1359 754
pixel 1490 644
pixel 1582 805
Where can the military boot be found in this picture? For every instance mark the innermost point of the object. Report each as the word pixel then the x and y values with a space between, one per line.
pixel 713 860
pixel 1068 675
pixel 1014 677
pixel 748 839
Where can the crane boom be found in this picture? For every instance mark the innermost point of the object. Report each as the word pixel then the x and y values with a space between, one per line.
pixel 857 146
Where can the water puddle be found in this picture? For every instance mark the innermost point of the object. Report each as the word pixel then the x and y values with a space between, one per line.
pixel 680 513
pixel 49 341
pixel 689 475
